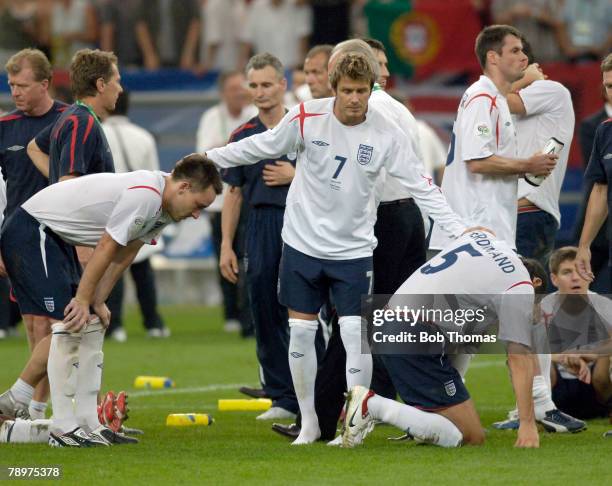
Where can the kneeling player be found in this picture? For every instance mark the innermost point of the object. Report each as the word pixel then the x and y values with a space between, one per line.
pixel 438 407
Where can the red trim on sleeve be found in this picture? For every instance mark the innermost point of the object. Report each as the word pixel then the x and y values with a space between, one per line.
pixel 10 118
pixel 145 187
pixel 90 123
pixel 241 128
pixel 61 109
pixel 75 128
pixel 485 95
pixel 524 282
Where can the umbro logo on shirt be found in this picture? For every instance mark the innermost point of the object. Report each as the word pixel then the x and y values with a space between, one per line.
pixel 608 156
pixel 320 143
pixel 15 148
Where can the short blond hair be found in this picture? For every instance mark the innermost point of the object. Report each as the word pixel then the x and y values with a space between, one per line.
pixel 87 67
pixel 37 61
pixel 606 64
pixel 355 66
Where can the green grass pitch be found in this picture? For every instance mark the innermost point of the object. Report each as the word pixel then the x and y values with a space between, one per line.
pixel 208 364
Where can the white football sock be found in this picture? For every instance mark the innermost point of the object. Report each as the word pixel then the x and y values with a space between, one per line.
pixel 89 377
pixel 37 410
pixel 542 400
pixel 62 370
pixel 358 366
pixel 303 366
pixel 544 360
pixel 28 432
pixel 425 426
pixel 22 392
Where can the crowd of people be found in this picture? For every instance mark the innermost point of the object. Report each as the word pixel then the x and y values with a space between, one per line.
pixel 325 201
pixel 204 35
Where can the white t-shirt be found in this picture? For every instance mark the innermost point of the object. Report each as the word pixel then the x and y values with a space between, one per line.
pixel 214 130
pixel 549 114
pixel 483 127
pixel 278 30
pixel 571 321
pixel 330 210
pixel 219 21
pixel 387 188
pixel 127 206
pixel 480 272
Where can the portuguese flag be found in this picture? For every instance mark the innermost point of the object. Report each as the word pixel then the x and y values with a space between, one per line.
pixel 424 37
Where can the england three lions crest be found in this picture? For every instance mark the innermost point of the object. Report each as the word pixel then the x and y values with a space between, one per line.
pixel 364 154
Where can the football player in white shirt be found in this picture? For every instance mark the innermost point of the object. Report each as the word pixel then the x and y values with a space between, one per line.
pixel 438 408
pixel 480 180
pixel 328 227
pixel 544 109
pixel 115 214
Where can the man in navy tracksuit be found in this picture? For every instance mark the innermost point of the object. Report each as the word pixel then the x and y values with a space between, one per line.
pixel 264 186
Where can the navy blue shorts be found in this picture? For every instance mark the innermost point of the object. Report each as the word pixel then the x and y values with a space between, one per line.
pixel 43 269
pixel 305 282
pixel 426 381
pixel 577 398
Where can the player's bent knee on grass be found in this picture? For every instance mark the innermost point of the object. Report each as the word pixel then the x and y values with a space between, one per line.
pixel 466 419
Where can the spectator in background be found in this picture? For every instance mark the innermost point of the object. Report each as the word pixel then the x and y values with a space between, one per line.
pixel 586 31
pixel 17 27
pixel 67 26
pixel 134 148
pixel 216 126
pixel 538 20
pixel 317 75
pixel 222 20
pixel 117 32
pixel 280 27
pixel 168 33
pixel 599 247
pixel 330 21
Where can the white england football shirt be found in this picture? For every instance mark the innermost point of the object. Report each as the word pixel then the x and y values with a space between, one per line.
pixel 549 114
pixel 481 272
pixel 483 127
pixel 127 206
pixel 330 210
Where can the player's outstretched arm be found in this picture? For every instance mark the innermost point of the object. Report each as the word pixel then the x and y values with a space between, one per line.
pixel 521 367
pixel 282 139
pixel 596 213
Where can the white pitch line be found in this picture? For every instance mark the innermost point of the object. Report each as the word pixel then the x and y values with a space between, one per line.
pixel 177 391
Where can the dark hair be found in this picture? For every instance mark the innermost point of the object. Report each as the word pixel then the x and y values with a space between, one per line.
pixel 536 269
pixel 320 49
pixel 40 65
pixel 87 67
pixel 122 105
pixel 491 38
pixel 374 44
pixel 200 171
pixel 260 61
pixel 561 255
pixel 355 66
pixel 528 51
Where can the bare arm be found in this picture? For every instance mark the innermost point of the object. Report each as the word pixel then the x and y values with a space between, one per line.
pixel 107 251
pixel 145 42
pixel 38 158
pixel 538 164
pixel 230 215
pixel 521 367
pixel 596 213
pixel 188 55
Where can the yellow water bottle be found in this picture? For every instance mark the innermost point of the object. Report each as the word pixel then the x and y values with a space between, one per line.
pixel 153 382
pixel 243 405
pixel 187 419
